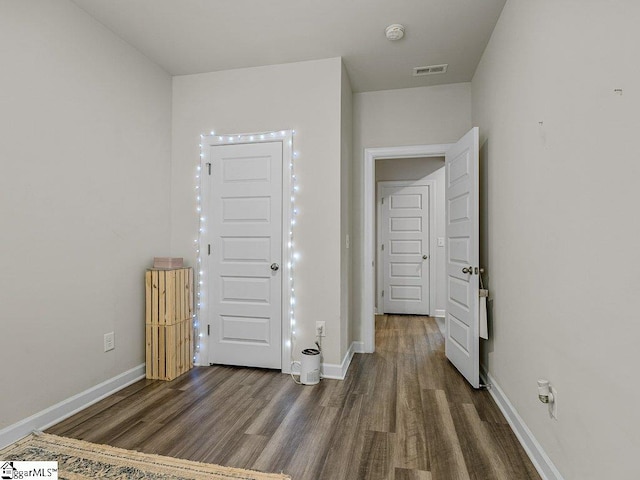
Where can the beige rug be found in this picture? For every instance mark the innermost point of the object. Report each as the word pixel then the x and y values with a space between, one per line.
pixel 79 460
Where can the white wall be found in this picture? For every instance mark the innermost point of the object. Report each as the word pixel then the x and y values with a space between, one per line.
pixel 346 170
pixel 302 96
pixel 426 168
pixel 411 116
pixel 561 226
pixel 389 169
pixel 84 201
pixel 441 231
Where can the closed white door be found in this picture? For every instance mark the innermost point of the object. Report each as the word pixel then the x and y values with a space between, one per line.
pixel 404 248
pixel 245 234
pixel 463 255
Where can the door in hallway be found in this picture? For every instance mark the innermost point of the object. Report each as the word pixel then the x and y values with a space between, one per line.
pixel 462 340
pixel 404 248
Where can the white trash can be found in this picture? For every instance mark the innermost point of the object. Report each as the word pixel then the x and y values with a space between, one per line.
pixel 310 367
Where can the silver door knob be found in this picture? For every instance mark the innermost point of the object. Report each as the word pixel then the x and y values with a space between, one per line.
pixel 467 270
pixel 424 257
pixel 275 267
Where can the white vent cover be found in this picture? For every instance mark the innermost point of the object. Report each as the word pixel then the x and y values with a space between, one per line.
pixel 430 70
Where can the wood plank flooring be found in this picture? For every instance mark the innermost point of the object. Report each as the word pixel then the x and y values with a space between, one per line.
pixel 403 413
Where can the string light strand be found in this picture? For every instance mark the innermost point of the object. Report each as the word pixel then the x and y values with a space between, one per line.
pixel 210 139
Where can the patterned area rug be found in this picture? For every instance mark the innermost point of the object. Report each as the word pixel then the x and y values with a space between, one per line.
pixel 79 460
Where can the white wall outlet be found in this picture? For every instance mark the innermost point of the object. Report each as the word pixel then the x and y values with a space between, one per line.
pixel 109 341
pixel 320 329
pixel 553 406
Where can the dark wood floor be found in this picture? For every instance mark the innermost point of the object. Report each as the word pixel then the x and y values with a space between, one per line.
pixel 403 413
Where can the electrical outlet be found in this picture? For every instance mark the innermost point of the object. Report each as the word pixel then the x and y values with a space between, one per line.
pixel 320 329
pixel 109 341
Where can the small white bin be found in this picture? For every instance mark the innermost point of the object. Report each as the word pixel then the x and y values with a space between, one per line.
pixel 310 367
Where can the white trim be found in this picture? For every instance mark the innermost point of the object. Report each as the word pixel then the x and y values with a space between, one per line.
pixel 423 182
pixel 532 447
pixel 369 179
pixel 440 313
pixel 286 138
pixel 339 372
pixel 72 405
pixel 333 370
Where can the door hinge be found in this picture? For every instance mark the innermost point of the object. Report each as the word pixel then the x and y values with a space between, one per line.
pixel 382 200
pixel 208 330
pixel 383 293
pixel 209 167
pixel 382 247
pixel 208 249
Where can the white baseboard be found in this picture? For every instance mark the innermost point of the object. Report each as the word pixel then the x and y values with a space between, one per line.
pixel 440 322
pixel 538 456
pixel 339 372
pixel 440 313
pixel 70 406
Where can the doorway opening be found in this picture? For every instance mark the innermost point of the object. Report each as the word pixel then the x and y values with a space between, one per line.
pixel 462 247
pixel 410 221
pixel 370 276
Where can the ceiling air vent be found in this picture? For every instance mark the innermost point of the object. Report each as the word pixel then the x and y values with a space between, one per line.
pixel 430 70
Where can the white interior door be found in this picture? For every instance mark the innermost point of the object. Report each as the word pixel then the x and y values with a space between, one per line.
pixel 405 249
pixel 463 255
pixel 245 234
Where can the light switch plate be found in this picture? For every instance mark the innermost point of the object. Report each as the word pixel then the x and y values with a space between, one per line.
pixel 441 241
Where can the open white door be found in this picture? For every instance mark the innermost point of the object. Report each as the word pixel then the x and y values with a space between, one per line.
pixel 463 255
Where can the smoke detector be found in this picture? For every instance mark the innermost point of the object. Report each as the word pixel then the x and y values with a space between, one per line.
pixel 430 70
pixel 394 32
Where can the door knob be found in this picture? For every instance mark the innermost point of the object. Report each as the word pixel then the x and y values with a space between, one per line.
pixel 467 270
pixel 275 267
pixel 424 257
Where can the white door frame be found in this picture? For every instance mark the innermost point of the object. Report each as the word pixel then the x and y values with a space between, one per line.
pixel 432 234
pixel 286 138
pixel 367 320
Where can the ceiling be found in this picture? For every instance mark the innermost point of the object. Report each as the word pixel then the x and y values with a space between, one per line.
pixel 196 36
